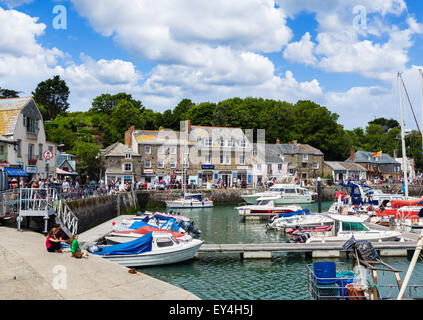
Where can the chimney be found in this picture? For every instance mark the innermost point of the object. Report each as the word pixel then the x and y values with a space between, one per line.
pixel 278 141
pixel 128 136
pixel 352 155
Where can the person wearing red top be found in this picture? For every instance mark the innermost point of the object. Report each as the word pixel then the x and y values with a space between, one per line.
pixel 52 244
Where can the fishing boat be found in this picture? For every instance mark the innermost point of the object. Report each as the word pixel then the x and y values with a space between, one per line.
pixel 152 249
pixel 352 226
pixel 190 201
pixel 302 218
pixel 266 206
pixel 286 193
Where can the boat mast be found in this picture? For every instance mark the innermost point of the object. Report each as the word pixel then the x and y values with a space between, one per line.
pixel 420 239
pixel 421 96
pixel 404 155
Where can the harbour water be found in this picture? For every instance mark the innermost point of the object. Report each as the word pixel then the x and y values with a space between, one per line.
pixel 227 277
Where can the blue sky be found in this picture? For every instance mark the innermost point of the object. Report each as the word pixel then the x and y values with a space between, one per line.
pixel 161 52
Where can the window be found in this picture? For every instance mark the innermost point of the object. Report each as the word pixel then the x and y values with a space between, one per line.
pixel 1 149
pixel 242 159
pixel 160 164
pixel 242 143
pixel 51 148
pixel 173 164
pixel 173 150
pixel 304 164
pixel 161 150
pixel 207 142
pixel 147 163
pixel 315 165
pixel 148 149
pixel 30 124
pixel 269 167
pixel 280 167
pixel 186 164
pixel 228 159
pixel 222 160
pixel 258 166
pixel 127 166
pixel 207 159
pixel 222 142
pixel 18 148
pixel 128 156
pixel 30 151
pixel 186 149
pixel 163 242
pixel 40 151
pixel 305 157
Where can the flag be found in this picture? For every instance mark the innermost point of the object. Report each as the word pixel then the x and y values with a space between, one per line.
pixel 377 154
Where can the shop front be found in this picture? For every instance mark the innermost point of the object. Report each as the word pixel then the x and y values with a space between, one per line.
pixel 225 177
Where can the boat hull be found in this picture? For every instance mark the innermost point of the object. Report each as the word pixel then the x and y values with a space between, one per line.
pixel 188 204
pixel 159 257
pixel 285 199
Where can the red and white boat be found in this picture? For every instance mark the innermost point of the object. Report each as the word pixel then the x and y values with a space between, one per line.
pixel 266 205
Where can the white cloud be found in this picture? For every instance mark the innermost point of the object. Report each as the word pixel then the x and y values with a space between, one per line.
pixel 301 51
pixel 183 32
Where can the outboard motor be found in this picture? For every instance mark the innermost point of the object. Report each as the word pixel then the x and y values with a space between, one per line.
pixel 188 227
pixel 301 238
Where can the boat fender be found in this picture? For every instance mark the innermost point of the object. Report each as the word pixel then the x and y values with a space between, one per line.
pixel 415 219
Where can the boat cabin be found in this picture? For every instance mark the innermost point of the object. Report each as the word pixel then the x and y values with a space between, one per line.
pixel 348 224
pixel 289 189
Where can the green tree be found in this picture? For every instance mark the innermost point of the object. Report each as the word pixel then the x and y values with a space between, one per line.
pixel 7 93
pixel 53 95
pixel 88 159
pixel 105 103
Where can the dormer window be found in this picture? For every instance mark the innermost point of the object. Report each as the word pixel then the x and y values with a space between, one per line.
pixel 128 156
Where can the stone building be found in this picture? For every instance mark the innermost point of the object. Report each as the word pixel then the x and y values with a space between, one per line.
pixel 21 123
pixel 384 166
pixel 165 154
pixel 207 154
pixel 224 155
pixel 303 161
pixel 342 171
pixel 269 163
pixel 122 164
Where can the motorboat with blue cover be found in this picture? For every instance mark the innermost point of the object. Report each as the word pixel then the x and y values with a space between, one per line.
pixel 152 249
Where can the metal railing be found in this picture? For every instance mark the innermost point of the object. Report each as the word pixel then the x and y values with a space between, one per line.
pixel 64 214
pixel 9 203
pixel 32 199
pixel 42 202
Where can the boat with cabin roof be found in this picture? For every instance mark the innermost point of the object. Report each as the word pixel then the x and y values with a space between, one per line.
pixel 286 193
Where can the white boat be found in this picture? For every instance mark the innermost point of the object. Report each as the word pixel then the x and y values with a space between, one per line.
pixel 127 236
pixel 266 205
pixel 150 250
pixel 303 220
pixel 190 201
pixel 348 226
pixel 288 193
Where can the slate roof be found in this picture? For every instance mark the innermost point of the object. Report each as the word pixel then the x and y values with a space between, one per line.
pixel 345 166
pixel 163 136
pixel 366 157
pixel 118 149
pixel 9 112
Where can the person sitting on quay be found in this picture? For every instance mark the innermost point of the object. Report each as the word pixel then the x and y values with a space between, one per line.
pixel 76 251
pixel 52 244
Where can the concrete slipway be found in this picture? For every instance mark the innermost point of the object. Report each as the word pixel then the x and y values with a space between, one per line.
pixel 29 272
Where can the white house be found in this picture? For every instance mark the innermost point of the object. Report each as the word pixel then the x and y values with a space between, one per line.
pixel 21 123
